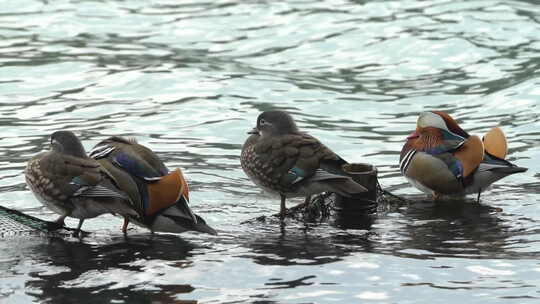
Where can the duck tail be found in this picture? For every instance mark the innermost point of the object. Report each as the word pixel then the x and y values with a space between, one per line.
pixel 343 185
pixel 346 187
pixel 179 218
pixel 509 170
pixel 201 226
pixel 498 165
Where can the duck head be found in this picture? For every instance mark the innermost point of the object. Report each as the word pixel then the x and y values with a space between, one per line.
pixel 433 128
pixel 270 123
pixel 66 142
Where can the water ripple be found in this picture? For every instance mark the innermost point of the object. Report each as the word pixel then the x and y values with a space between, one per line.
pixel 189 78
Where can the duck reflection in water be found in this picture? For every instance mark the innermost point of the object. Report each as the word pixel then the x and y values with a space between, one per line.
pixel 87 263
pixel 452 228
pixel 303 244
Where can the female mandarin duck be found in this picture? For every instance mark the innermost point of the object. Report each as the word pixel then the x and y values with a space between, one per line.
pixel 159 198
pixel 440 158
pixel 282 160
pixel 71 184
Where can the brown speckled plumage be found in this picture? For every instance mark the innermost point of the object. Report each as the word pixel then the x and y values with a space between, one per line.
pixel 283 160
pixel 49 175
pixel 268 161
pixel 70 183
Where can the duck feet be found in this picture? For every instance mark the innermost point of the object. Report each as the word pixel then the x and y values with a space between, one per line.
pixel 58 223
pixel 125 225
pixel 478 197
pixel 283 209
pixel 81 221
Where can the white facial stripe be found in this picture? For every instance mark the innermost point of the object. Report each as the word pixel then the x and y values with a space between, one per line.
pixel 430 119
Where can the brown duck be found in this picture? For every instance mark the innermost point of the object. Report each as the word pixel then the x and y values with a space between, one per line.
pixel 71 184
pixel 285 161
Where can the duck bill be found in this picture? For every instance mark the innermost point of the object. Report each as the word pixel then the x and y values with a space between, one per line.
pixel 253 131
pixel 413 135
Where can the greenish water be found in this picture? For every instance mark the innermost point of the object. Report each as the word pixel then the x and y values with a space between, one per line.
pixel 188 79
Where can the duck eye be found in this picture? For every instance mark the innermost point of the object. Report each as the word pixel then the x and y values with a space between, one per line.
pixel 263 122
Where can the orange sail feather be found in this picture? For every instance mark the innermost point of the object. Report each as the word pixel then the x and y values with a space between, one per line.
pixel 166 191
pixel 495 143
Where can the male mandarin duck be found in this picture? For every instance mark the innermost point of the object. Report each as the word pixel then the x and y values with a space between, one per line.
pixel 159 198
pixel 70 183
pixel 440 158
pixel 283 160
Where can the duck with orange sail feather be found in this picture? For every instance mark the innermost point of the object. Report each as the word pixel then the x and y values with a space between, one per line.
pixel 441 159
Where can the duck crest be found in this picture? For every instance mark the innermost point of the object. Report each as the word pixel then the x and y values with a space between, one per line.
pixel 451 124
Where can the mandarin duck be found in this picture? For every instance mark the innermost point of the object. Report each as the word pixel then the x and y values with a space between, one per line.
pixel 440 158
pixel 70 183
pixel 285 161
pixel 159 198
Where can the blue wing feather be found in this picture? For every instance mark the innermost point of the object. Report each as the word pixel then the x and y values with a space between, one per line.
pixel 133 166
pixel 79 181
pixel 454 165
pixel 294 175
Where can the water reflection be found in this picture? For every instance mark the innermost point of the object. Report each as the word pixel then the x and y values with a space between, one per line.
pixel 299 243
pixel 353 220
pixel 99 273
pixel 423 230
pixel 296 248
pixel 277 283
pixel 452 229
pixel 189 79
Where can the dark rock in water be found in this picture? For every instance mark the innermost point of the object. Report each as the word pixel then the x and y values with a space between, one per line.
pixel 328 206
pixel 366 175
pixel 345 212
pixel 351 210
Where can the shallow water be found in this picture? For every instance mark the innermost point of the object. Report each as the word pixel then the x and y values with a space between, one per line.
pixel 188 79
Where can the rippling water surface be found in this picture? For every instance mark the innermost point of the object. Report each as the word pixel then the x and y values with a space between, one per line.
pixel 188 79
